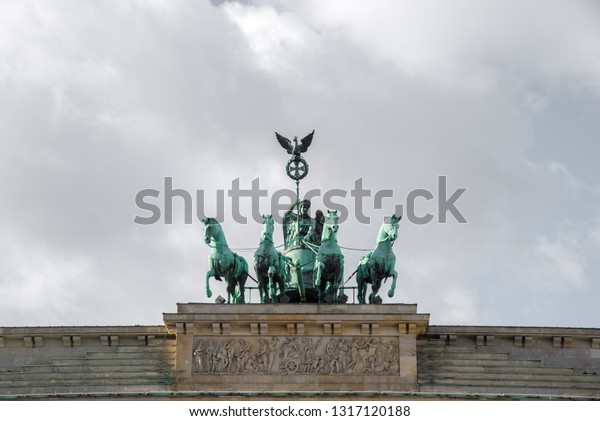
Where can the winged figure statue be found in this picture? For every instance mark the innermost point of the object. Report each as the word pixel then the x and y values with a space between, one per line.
pixel 295 149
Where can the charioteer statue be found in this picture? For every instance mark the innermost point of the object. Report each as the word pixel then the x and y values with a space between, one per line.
pixel 301 232
pixel 302 237
pixel 299 227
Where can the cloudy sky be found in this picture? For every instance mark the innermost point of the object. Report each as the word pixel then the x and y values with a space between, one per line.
pixel 102 99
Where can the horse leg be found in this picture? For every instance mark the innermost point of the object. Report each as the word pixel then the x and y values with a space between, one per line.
pixel 281 285
pixel 264 288
pixel 330 285
pixel 375 285
pixel 328 289
pixel 393 287
pixel 319 280
pixel 272 287
pixel 263 284
pixel 284 277
pixel 339 281
pixel 361 290
pixel 260 279
pixel 241 287
pixel 230 290
pixel 211 272
pixel 361 282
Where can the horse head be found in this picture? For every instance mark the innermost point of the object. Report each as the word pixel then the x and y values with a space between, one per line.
pixel 212 230
pixel 268 226
pixel 389 229
pixel 330 227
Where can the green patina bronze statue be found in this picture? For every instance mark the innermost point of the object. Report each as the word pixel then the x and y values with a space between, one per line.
pixel 222 262
pixel 301 232
pixel 297 167
pixel 299 227
pixel 329 264
pixel 379 263
pixel 271 267
pixel 311 266
pixel 301 236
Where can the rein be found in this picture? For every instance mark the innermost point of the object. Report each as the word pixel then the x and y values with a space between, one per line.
pixel 217 243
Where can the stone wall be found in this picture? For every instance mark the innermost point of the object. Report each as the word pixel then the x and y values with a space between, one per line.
pixel 510 361
pixel 276 351
pixel 83 361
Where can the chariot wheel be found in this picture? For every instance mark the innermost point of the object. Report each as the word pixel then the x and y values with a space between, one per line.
pixel 297 168
pixel 291 366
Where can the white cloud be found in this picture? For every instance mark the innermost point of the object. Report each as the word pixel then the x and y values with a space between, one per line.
pixel 281 43
pixel 472 44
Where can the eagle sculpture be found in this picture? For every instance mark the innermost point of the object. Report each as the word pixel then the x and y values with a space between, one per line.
pixel 295 149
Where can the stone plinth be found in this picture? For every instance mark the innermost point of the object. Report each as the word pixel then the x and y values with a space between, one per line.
pixel 301 347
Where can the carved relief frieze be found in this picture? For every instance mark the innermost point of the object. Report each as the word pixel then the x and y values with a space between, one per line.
pixel 296 355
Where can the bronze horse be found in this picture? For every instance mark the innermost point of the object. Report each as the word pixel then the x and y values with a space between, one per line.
pixel 329 263
pixel 379 263
pixel 271 267
pixel 222 262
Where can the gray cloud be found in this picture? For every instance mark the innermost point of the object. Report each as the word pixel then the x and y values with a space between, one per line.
pixel 99 101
